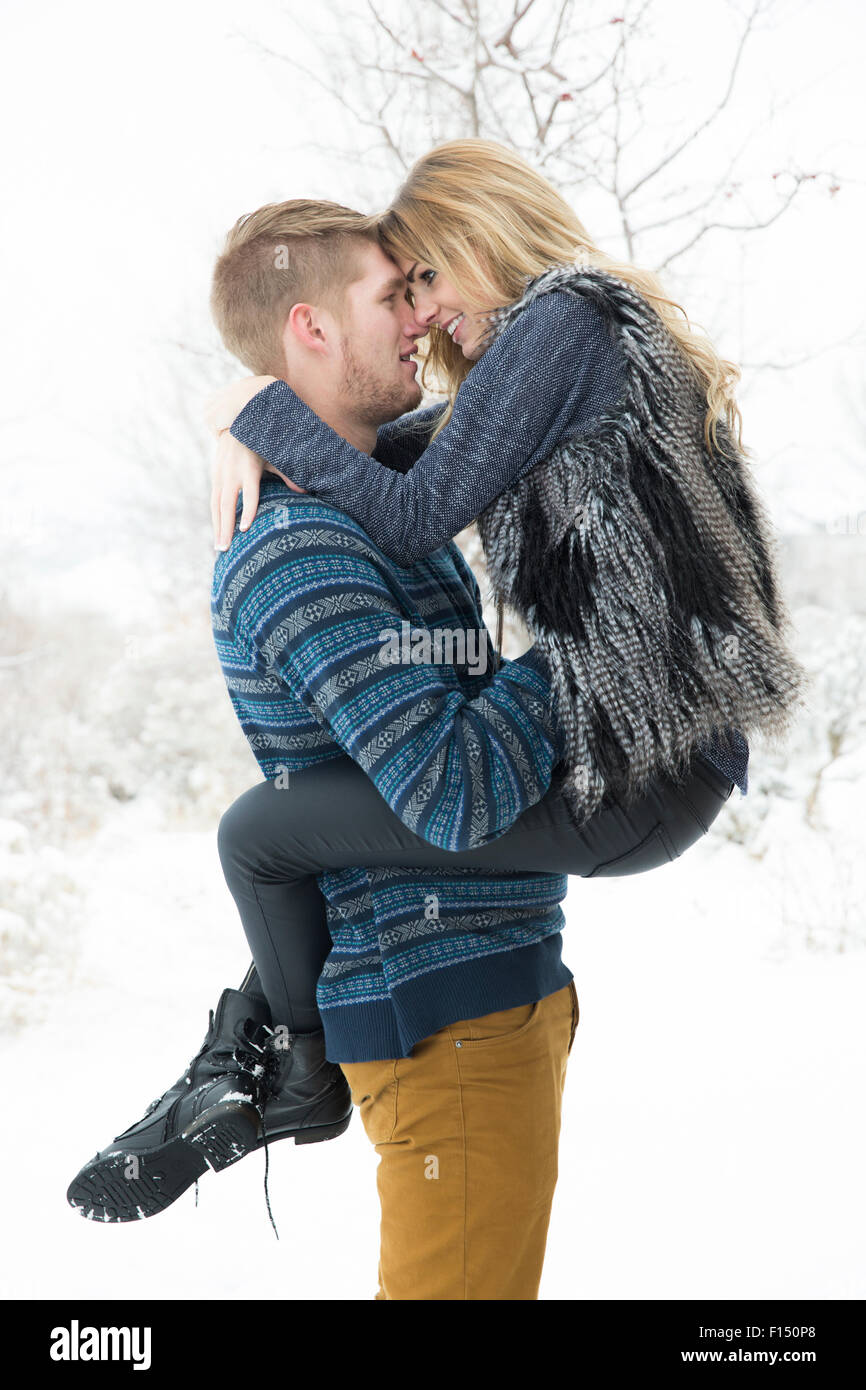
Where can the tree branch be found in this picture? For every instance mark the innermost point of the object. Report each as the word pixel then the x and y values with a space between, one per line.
pixel 690 139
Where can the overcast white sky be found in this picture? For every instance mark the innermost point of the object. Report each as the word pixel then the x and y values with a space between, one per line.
pixel 134 136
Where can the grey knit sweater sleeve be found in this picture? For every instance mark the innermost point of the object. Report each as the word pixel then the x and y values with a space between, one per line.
pixel 542 380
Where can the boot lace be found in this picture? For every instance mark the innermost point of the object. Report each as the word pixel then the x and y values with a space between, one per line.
pixel 250 1058
pixel 255 1059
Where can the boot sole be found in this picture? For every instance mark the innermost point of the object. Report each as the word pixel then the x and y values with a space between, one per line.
pixel 103 1192
pixel 226 1136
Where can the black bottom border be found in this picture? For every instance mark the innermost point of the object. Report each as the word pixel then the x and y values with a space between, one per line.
pixel 198 1337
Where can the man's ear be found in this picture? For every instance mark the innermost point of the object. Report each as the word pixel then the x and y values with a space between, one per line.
pixel 308 328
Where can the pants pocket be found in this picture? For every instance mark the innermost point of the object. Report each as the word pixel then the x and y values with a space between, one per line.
pixel 652 851
pixel 575 1014
pixel 374 1090
pixel 503 1025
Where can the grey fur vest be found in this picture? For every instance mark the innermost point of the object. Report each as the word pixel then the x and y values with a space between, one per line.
pixel 643 563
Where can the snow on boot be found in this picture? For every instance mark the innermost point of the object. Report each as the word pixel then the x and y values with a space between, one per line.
pixel 209 1118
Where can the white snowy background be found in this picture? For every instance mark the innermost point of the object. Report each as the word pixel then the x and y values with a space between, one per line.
pixel 713 1129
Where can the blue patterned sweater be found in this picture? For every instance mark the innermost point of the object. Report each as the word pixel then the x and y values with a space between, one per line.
pixel 302 605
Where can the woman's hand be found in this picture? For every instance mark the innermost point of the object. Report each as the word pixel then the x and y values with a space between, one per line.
pixel 236 469
pixel 224 408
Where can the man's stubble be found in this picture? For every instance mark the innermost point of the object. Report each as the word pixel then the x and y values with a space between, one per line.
pixel 372 399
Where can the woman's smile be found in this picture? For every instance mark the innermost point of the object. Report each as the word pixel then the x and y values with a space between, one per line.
pixel 436 304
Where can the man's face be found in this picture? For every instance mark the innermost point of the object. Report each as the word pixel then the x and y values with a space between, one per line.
pixel 379 332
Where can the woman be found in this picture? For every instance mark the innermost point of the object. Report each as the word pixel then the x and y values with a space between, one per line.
pixel 617 518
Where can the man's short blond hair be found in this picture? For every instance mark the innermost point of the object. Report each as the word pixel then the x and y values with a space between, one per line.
pixel 298 252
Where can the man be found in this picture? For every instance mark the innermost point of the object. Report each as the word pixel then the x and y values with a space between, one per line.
pixel 466 1119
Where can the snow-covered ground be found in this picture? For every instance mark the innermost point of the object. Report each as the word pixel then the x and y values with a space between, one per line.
pixel 712 1142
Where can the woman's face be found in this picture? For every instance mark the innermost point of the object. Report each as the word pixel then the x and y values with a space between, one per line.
pixel 437 301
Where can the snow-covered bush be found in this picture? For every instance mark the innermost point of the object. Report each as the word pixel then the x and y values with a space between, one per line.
pixel 802 816
pixel 97 722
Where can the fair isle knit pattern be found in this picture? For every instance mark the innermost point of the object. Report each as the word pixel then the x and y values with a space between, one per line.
pixel 301 603
pixel 642 562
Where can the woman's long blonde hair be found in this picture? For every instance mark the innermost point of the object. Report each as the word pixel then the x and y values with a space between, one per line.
pixel 483 217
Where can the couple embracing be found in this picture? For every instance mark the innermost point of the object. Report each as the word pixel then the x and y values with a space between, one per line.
pixel 400 869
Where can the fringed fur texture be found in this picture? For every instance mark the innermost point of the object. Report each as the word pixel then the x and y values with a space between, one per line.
pixel 644 566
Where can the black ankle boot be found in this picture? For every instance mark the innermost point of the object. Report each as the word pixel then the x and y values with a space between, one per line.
pixel 307 1097
pixel 209 1118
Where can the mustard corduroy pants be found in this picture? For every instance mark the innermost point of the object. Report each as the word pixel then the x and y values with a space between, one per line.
pixel 467 1132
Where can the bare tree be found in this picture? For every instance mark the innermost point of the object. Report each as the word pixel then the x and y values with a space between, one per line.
pixel 578 95
pixel 584 97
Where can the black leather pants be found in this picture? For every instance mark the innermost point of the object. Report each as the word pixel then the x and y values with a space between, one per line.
pixel 274 841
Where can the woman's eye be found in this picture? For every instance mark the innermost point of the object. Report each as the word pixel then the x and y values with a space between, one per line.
pixel 425 274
